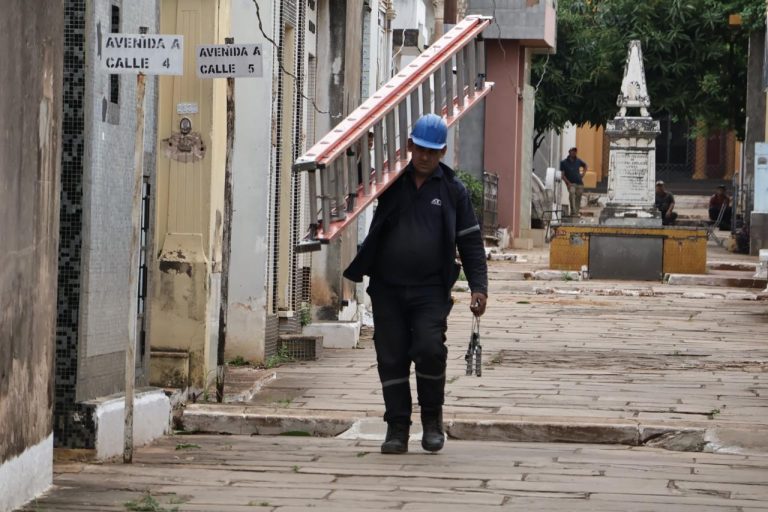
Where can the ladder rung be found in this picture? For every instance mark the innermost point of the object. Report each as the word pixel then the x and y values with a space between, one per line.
pixel 306 246
pixel 363 200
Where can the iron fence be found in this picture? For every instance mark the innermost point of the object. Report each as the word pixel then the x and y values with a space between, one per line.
pixel 490 215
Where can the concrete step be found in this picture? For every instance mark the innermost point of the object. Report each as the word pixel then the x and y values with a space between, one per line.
pixel 604 289
pixel 671 435
pixel 169 368
pixel 735 266
pixel 716 280
pixel 510 275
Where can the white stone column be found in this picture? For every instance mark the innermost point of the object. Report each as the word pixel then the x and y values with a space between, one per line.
pixel 250 195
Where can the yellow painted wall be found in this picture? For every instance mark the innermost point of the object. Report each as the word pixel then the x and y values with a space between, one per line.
pixel 700 162
pixel 189 195
pixel 569 250
pixel 589 141
pixel 685 250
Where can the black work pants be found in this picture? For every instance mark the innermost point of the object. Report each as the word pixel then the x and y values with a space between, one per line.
pixel 725 221
pixel 667 220
pixel 409 326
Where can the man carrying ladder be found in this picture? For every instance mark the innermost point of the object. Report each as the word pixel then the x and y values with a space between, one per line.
pixel 410 255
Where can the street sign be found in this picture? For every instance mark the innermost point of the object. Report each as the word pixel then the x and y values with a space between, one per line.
pixel 229 61
pixel 148 54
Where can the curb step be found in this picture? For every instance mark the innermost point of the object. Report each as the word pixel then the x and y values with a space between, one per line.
pixel 689 437
pixel 651 292
pixel 716 280
pixel 732 266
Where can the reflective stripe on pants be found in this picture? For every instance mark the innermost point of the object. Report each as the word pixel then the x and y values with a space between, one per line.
pixel 409 326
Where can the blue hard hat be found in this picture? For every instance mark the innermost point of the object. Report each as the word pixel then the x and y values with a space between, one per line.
pixel 430 131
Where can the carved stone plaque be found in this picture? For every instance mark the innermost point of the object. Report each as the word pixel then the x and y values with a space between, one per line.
pixel 632 174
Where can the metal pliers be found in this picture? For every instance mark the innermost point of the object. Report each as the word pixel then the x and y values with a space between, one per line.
pixel 474 356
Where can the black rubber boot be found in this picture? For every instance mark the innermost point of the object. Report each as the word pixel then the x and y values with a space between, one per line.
pixel 433 437
pixel 397 438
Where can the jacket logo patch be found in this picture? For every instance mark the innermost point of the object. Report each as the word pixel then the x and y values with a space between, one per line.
pixel 437 202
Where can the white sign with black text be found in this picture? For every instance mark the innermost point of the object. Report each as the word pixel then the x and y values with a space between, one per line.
pixel 229 61
pixel 149 54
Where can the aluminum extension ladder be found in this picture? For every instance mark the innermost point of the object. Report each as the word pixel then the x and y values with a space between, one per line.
pixel 447 79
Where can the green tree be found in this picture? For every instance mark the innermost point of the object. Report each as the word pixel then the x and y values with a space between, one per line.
pixel 695 62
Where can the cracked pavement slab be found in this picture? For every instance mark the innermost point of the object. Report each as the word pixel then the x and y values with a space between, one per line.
pixel 290 474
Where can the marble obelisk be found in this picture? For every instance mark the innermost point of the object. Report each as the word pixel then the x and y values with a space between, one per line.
pixel 632 161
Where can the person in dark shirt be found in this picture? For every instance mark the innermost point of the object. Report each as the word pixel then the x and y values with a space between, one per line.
pixel 410 254
pixel 720 201
pixel 573 168
pixel 665 203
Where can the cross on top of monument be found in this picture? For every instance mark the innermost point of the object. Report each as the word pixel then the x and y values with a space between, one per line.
pixel 634 92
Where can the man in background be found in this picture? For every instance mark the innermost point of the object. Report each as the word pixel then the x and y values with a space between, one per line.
pixel 665 203
pixel 720 201
pixel 573 168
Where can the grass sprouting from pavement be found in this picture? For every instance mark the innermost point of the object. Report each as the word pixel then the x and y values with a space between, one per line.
pixel 188 446
pixel 147 504
pixel 239 361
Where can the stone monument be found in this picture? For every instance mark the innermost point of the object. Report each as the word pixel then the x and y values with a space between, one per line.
pixel 632 160
pixel 630 242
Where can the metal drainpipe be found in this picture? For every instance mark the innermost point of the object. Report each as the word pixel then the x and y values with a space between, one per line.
pixel 390 15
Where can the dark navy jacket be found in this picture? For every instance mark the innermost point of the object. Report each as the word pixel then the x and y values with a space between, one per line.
pixel 461 230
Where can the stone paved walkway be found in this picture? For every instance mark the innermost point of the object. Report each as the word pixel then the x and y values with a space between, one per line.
pixel 569 358
pixel 287 474
pixel 577 363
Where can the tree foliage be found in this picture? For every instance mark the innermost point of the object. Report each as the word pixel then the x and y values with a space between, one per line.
pixel 695 63
pixel 475 189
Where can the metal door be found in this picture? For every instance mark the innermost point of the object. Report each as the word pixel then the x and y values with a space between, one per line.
pixel 638 258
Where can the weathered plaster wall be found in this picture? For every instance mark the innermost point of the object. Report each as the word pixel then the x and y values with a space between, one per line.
pixel 329 62
pixel 533 22
pixel 246 318
pixel 471 132
pixel 353 74
pixel 526 161
pixel 503 127
pixel 189 202
pixel 339 51
pixel 31 35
